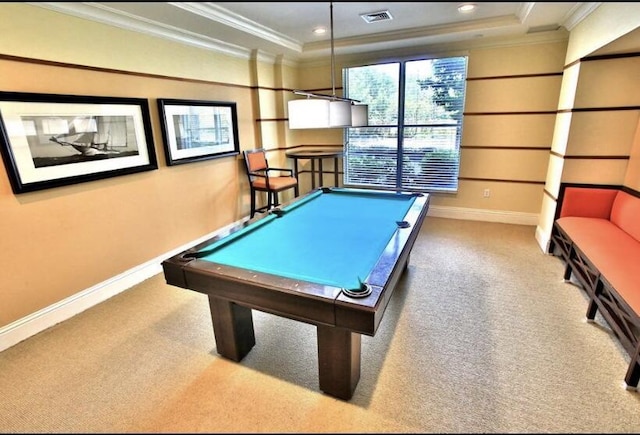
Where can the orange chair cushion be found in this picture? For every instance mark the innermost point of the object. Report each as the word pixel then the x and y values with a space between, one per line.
pixel 587 202
pixel 275 183
pixel 256 161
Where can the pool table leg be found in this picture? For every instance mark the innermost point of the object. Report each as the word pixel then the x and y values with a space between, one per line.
pixel 338 361
pixel 232 328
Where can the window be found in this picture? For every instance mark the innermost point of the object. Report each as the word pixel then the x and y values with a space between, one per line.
pixel 412 141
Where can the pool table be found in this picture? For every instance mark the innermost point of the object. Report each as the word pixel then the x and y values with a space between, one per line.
pixel 330 258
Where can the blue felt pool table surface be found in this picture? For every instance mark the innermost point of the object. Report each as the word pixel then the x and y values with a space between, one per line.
pixel 332 239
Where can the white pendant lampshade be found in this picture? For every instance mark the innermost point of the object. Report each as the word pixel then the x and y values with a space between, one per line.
pixel 339 114
pixel 359 115
pixel 327 111
pixel 308 113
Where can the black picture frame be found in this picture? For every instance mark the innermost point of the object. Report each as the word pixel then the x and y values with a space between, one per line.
pixel 53 140
pixel 197 130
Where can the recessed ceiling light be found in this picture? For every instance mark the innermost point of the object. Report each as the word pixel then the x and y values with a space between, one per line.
pixel 466 7
pixel 320 30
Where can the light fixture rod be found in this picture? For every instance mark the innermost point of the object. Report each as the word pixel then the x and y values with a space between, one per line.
pixel 333 69
pixel 326 97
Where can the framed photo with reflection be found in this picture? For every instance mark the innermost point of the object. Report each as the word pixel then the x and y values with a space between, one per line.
pixel 52 140
pixel 195 130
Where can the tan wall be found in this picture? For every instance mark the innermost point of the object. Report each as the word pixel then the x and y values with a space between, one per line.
pixel 61 241
pixel 600 140
pixel 38 33
pixel 512 95
pixel 603 123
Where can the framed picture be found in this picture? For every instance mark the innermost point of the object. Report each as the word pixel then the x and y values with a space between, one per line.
pixel 50 140
pixel 198 130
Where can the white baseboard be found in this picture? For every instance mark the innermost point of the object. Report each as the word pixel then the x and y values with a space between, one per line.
pixel 473 214
pixel 34 323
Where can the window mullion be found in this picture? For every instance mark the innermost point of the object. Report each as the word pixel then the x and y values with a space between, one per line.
pixel 400 152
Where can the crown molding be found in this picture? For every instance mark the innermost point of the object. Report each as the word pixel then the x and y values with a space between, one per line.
pixel 579 13
pixel 104 14
pixel 416 33
pixel 310 52
pixel 524 11
pixel 223 16
pixel 457 48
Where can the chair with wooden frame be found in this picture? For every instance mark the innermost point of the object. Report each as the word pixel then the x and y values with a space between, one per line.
pixel 262 180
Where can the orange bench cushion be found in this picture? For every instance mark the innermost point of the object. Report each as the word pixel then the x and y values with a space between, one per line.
pixel 625 213
pixel 612 251
pixel 588 202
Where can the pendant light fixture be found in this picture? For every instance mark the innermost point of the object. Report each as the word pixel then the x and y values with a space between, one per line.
pixel 327 111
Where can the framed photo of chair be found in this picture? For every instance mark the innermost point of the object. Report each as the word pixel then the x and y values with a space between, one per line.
pixel 194 130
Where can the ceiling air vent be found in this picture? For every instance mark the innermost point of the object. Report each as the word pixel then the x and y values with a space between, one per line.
pixel 377 16
pixel 546 28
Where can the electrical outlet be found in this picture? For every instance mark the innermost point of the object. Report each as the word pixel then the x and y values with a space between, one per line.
pixel 486 193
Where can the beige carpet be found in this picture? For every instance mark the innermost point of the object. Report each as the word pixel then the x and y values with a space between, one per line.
pixel 481 335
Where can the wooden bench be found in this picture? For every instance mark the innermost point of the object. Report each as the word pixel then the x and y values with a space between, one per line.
pixel 597 233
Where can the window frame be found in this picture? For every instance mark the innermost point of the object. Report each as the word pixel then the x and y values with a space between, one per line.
pixel 446 172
